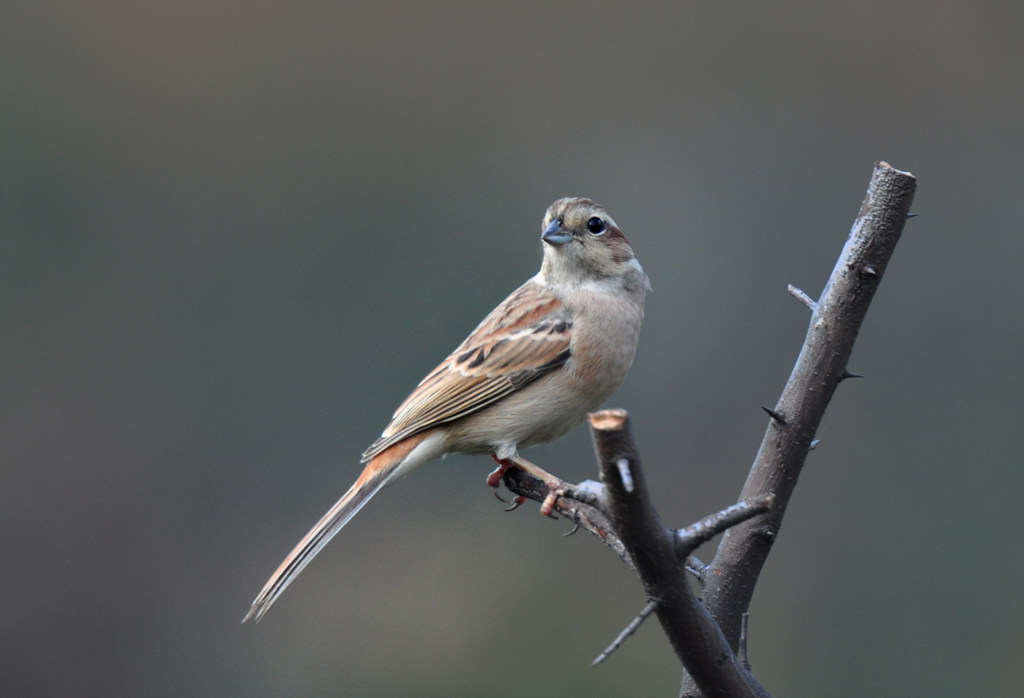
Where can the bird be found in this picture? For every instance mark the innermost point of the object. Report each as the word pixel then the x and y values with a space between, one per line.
pixel 556 349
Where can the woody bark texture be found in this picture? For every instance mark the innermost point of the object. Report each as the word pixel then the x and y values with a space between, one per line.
pixel 836 319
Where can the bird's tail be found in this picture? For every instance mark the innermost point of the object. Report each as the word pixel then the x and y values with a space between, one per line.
pixel 383 468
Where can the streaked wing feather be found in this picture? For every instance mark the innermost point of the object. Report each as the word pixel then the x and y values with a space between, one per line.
pixel 521 340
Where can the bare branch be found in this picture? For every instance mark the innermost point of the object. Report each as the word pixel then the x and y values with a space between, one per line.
pixel 691 630
pixel 835 322
pixel 581 504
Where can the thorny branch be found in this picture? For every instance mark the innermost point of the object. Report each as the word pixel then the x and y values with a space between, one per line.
pixel 836 319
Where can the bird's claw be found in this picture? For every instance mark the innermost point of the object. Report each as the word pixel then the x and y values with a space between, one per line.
pixel 516 503
pixel 556 488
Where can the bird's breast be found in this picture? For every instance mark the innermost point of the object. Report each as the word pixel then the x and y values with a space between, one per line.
pixel 605 334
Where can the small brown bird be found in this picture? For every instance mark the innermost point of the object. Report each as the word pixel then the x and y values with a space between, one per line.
pixel 554 350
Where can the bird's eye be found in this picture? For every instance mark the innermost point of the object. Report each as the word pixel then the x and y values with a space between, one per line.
pixel 596 225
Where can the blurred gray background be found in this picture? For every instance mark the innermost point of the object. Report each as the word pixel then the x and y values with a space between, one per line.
pixel 235 235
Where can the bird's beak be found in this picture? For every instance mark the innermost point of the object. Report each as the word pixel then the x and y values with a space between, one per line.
pixel 555 235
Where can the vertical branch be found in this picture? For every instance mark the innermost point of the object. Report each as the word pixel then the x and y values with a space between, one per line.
pixel 660 562
pixel 835 321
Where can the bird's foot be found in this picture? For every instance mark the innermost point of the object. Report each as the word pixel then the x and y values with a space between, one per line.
pixel 556 487
pixel 494 481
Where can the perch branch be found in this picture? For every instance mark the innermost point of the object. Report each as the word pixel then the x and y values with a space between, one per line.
pixel 581 504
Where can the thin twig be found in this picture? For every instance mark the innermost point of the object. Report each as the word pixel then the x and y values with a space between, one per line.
pixel 650 608
pixel 802 297
pixel 742 652
pixel 696 534
pixel 695 567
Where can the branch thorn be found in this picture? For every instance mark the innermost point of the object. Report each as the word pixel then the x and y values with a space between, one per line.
pixel 814 444
pixel 516 503
pixel 847 373
pixel 869 270
pixel 775 414
pixel 913 215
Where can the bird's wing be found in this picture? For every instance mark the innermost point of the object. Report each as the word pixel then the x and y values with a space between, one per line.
pixel 519 341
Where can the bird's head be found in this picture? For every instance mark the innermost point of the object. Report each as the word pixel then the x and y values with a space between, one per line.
pixel 583 243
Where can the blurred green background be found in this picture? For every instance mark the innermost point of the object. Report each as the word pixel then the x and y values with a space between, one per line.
pixel 235 235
